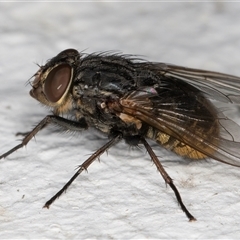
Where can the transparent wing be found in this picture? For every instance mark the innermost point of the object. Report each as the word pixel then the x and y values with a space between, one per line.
pixel 219 86
pixel 176 110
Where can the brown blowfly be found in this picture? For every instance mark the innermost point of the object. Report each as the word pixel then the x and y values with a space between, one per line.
pixel 132 99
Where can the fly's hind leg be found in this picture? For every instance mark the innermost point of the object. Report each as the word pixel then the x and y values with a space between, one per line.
pixel 167 179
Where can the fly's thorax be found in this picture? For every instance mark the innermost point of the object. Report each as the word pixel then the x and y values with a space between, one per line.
pixel 101 81
pixel 103 110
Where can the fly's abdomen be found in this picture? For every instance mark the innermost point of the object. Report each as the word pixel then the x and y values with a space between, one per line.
pixel 181 146
pixel 178 147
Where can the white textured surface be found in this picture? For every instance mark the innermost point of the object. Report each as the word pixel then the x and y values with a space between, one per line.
pixel 123 196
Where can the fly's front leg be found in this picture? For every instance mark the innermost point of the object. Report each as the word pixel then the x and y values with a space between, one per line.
pixel 50 119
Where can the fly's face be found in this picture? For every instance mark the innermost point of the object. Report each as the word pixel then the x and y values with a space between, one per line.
pixel 53 81
pixel 51 87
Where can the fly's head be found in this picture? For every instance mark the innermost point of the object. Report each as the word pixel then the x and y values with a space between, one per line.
pixel 53 81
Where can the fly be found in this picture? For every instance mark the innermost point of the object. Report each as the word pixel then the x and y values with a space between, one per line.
pixel 134 100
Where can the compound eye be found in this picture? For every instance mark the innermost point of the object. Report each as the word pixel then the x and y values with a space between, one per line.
pixel 57 82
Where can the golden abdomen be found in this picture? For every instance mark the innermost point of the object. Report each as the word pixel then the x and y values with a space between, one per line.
pixel 178 147
pixel 193 150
